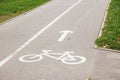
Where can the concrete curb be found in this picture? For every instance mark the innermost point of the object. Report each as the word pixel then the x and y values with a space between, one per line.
pixel 105 16
pixel 106 49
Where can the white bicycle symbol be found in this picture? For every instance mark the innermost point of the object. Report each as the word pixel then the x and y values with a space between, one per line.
pixel 65 57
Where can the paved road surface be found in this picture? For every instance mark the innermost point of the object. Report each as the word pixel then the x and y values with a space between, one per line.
pixel 60 35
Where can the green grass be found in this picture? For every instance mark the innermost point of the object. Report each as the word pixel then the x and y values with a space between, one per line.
pixel 111 32
pixel 12 8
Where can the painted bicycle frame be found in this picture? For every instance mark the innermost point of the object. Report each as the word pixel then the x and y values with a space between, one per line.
pixel 64 57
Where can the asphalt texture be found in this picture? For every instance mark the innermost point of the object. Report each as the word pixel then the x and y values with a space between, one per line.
pixel 65 28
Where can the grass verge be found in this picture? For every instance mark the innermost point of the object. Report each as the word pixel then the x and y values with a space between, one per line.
pixel 111 32
pixel 12 8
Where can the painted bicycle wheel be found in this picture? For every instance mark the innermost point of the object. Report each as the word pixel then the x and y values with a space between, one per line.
pixel 30 58
pixel 76 60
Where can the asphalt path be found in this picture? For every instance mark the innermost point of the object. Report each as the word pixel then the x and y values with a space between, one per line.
pixel 56 42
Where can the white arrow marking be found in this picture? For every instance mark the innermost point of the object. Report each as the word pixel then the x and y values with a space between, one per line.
pixel 65 33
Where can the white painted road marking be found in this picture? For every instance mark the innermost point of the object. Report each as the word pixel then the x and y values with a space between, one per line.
pixel 36 35
pixel 65 33
pixel 64 57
